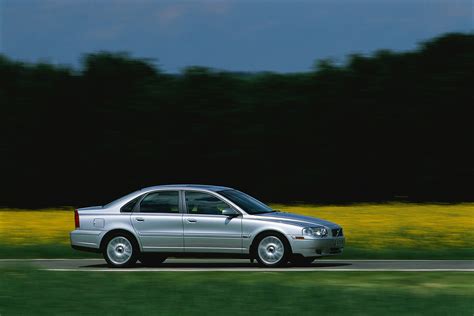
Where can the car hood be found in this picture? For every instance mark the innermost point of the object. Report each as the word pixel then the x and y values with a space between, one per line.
pixel 295 219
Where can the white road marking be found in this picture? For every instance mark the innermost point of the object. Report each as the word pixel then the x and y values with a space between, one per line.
pixel 243 265
pixel 256 270
pixel 234 260
pixel 50 259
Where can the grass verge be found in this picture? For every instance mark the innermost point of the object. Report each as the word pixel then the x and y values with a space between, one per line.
pixel 26 291
pixel 42 251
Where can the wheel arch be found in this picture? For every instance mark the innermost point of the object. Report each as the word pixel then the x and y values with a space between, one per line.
pixel 118 231
pixel 253 244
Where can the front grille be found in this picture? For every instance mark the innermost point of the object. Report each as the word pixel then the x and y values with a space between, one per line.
pixel 337 232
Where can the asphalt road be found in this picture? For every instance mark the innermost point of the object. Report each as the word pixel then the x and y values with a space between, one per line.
pixel 245 265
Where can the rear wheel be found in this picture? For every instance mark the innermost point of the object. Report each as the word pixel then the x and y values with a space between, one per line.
pixel 272 250
pixel 151 259
pixel 120 250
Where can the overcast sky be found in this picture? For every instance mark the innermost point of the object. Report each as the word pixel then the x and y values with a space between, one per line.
pixel 278 35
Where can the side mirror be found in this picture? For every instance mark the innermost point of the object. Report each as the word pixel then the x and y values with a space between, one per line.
pixel 230 212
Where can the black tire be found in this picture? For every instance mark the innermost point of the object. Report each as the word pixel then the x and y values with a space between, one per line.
pixel 264 262
pixel 151 259
pixel 130 250
pixel 301 261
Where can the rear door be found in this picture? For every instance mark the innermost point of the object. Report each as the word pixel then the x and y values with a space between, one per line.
pixel 206 229
pixel 158 221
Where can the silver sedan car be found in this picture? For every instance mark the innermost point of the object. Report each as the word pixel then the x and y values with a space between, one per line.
pixel 201 220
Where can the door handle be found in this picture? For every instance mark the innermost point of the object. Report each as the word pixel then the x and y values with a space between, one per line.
pixel 140 219
pixel 191 220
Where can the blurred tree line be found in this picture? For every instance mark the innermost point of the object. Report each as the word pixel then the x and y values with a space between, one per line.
pixel 376 128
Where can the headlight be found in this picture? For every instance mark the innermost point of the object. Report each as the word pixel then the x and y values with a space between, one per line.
pixel 315 231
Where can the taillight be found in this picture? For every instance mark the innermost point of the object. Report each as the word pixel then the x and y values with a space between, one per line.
pixel 76 219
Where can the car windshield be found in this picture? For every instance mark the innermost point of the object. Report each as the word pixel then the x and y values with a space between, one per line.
pixel 246 202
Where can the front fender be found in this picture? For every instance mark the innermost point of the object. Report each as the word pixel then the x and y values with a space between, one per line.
pixel 253 228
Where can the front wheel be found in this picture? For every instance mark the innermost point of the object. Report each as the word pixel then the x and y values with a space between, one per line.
pixel 120 251
pixel 272 250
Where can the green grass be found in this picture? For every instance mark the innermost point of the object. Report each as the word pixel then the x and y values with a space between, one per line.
pixel 65 251
pixel 408 253
pixel 26 291
pixel 43 251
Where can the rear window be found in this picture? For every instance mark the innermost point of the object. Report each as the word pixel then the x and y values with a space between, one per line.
pixel 127 208
pixel 120 200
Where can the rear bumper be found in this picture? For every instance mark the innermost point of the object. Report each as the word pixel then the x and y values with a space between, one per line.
pixel 318 247
pixel 88 249
pixel 87 240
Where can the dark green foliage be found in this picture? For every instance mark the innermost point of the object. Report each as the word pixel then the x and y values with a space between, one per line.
pixel 381 126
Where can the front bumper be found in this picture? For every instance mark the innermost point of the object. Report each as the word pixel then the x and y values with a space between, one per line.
pixel 318 247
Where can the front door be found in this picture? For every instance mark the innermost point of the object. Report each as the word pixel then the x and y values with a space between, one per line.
pixel 159 222
pixel 206 229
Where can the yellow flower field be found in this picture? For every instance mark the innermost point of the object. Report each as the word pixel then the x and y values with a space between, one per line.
pixel 25 227
pixel 396 225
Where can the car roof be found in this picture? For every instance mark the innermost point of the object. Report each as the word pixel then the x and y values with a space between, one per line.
pixel 214 188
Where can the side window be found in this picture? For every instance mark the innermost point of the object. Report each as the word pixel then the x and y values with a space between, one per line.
pixel 160 202
pixel 127 208
pixel 204 203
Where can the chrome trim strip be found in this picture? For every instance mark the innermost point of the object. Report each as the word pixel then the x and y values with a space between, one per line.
pixel 226 236
pixel 160 234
